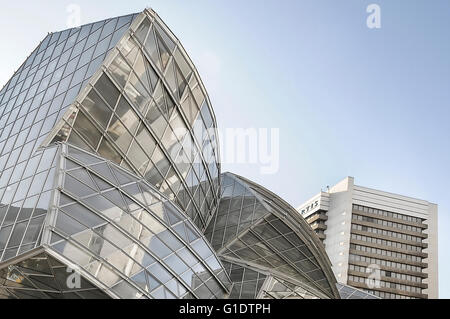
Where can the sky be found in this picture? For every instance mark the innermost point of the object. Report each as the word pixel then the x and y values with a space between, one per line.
pixel 347 100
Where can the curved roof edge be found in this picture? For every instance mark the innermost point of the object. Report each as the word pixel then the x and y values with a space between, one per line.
pixel 296 220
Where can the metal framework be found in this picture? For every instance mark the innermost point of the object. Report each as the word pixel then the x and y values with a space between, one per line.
pixel 109 164
pixel 257 230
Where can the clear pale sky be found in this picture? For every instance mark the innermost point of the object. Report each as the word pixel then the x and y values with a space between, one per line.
pixel 349 100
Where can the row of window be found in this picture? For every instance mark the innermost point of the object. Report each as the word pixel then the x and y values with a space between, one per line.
pixel 387 223
pixel 385 284
pixel 386 263
pixel 384 252
pixel 387 214
pixel 387 295
pixel 384 242
pixel 386 273
pixel 386 233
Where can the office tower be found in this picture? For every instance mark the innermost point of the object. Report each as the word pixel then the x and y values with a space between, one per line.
pixel 383 243
pixel 110 176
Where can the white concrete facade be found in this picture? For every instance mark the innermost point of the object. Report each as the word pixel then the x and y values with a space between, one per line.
pixel 338 203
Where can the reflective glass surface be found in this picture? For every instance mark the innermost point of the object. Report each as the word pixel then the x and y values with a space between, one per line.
pixel 276 288
pixel 348 292
pixel 26 191
pixel 41 276
pixel 148 112
pixel 247 282
pixel 255 227
pixel 31 103
pixel 123 232
pixel 109 160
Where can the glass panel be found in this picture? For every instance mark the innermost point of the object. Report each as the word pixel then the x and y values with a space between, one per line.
pixel 76 187
pixel 167 40
pixel 97 108
pixel 159 248
pixel 83 176
pixel 159 272
pixel 119 134
pixel 138 95
pixel 68 225
pixel 127 115
pixel 107 151
pixel 83 215
pixel 142 30
pixel 181 62
pixel 152 48
pixel 107 89
pixel 138 158
pixel 130 51
pixel 4 235
pixel 145 139
pixel 86 129
pixel 120 70
pixel 164 52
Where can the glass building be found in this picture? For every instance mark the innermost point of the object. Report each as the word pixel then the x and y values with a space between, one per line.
pixel 349 292
pixel 267 248
pixel 110 171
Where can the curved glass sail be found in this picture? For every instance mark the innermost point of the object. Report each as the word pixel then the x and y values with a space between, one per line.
pixel 256 229
pixel 146 109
